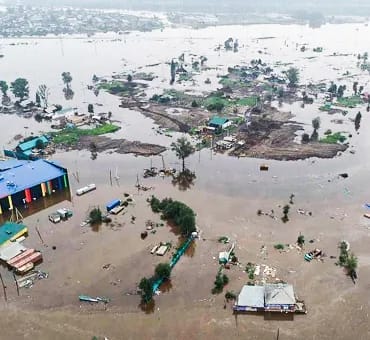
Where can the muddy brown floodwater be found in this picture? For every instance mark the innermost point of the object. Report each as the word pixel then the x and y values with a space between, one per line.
pixel 226 195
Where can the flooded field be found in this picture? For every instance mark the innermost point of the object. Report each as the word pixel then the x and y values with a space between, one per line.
pixel 226 194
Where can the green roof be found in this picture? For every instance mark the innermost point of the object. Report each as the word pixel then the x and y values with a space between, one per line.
pixel 9 230
pixel 216 120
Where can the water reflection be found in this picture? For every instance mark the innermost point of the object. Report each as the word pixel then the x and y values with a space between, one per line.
pixel 148 308
pixel 40 204
pixel 166 286
pixel 184 180
pixel 190 251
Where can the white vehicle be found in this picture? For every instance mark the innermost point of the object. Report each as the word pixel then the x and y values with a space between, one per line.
pixel 54 217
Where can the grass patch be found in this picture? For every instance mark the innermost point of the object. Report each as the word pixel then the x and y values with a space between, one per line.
pixel 350 102
pixel 121 87
pixel 248 101
pixel 71 136
pixel 333 138
pixel 325 107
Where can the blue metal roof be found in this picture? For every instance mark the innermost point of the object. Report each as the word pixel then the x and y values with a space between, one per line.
pixel 32 143
pixel 10 164
pixel 28 175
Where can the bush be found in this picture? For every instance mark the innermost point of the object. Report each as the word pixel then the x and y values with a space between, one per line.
pixel 230 295
pixel 95 216
pixel 163 271
pixel 305 138
pixel 279 246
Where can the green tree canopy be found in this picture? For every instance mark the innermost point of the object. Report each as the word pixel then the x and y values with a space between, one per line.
pixel 163 270
pixel 316 123
pixel 67 78
pixel 95 216
pixel 90 108
pixel 183 149
pixel 146 286
pixel 351 263
pixel 293 76
pixel 20 88
pixel 3 87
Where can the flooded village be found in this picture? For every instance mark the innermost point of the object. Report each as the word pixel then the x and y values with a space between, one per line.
pixel 182 179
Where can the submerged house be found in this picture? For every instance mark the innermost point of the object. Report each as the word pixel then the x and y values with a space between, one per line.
pixel 275 297
pixel 22 182
pixel 28 149
pixel 219 123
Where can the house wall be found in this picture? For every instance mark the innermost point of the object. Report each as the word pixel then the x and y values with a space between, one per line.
pixel 36 192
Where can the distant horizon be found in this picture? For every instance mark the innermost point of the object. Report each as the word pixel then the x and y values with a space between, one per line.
pixel 329 7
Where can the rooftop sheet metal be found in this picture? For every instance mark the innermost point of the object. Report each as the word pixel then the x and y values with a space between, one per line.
pixel 279 294
pixel 216 120
pixel 9 230
pixel 10 164
pixel 12 250
pixel 32 143
pixel 251 296
pixel 27 176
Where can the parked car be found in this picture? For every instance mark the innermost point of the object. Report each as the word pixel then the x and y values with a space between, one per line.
pixel 54 217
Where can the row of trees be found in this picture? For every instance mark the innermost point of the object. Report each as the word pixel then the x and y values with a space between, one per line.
pixel 177 212
pixel 338 90
pixel 20 89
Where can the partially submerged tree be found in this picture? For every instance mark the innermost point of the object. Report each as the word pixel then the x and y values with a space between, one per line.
pixel 4 87
pixel 38 99
pixel 183 149
pixel 286 209
pixel 43 92
pixel 300 240
pixel 163 271
pixel 305 138
pixel 146 287
pixel 95 216
pixel 355 84
pixel 316 123
pixel 293 76
pixel 20 88
pixel 351 264
pixel 90 108
pixel 173 71
pixel 67 79
pixel 358 120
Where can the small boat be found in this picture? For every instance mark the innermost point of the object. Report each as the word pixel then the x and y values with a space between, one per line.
pixel 97 299
pixel 264 167
pixel 87 298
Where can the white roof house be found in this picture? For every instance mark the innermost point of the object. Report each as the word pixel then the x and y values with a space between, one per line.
pixel 251 298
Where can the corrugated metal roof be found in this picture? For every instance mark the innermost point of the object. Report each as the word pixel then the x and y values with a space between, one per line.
pixel 32 143
pixel 12 250
pixel 28 175
pixel 10 164
pixel 216 120
pixel 251 296
pixel 9 230
pixel 279 294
